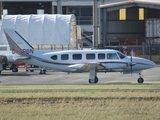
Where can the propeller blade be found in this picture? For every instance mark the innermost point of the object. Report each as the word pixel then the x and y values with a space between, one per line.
pixel 131 62
pixel 131 68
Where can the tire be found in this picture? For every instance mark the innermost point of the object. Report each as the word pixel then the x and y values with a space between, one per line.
pixel 140 80
pixel 91 81
pixel 15 70
pixel 96 79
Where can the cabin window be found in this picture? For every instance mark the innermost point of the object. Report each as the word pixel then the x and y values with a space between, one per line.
pixel 112 56
pixel 101 56
pixel 90 56
pixel 121 55
pixel 65 57
pixel 77 56
pixel 54 57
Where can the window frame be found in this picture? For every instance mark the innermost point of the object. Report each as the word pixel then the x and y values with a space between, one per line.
pixel 101 56
pixel 90 56
pixel 53 56
pixel 64 57
pixel 122 14
pixel 77 57
pixel 112 57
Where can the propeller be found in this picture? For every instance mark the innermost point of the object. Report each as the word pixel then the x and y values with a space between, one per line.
pixel 132 63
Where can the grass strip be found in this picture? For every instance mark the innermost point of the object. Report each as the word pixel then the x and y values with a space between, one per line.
pixel 91 86
pixel 93 104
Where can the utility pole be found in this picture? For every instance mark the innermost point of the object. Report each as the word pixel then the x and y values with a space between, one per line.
pixel 59 7
pixel 1 9
pixel 95 24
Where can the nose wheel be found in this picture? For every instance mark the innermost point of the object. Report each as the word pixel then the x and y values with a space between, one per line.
pixel 140 80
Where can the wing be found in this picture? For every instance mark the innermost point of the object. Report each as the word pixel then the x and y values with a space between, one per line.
pixel 103 66
pixel 85 67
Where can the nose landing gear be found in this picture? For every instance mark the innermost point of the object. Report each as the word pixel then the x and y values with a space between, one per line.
pixel 140 79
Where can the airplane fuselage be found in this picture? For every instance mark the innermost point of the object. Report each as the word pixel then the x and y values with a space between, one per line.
pixel 111 60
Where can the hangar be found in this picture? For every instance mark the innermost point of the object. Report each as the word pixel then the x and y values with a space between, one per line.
pixel 127 23
pixel 128 19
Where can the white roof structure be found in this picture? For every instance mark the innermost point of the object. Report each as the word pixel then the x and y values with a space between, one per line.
pixel 125 2
pixel 47 29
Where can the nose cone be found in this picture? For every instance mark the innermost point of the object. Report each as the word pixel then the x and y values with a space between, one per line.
pixel 141 63
pixel 152 64
pixel 149 63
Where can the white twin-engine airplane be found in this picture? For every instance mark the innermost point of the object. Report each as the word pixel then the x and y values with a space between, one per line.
pixel 91 61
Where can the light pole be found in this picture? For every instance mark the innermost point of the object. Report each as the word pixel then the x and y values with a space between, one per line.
pixel 59 7
pixel 95 24
pixel 1 9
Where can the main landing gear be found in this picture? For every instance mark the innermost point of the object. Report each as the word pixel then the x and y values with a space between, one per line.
pixel 93 74
pixel 140 79
pixel 14 68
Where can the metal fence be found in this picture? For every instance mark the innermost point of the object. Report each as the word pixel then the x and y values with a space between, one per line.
pixel 151 52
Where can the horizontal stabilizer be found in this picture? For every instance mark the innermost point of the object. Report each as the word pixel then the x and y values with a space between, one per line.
pixel 21 58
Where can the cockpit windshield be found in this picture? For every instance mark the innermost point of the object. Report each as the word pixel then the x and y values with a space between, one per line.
pixel 112 56
pixel 121 55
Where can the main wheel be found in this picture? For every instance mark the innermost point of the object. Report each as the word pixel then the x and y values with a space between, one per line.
pixel 140 80
pixel 15 70
pixel 95 80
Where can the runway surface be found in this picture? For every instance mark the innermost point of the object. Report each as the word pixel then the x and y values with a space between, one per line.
pixel 34 78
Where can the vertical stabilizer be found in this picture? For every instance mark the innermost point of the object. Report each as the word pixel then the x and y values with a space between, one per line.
pixel 17 43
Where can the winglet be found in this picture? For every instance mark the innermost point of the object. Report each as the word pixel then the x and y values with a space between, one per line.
pixel 17 43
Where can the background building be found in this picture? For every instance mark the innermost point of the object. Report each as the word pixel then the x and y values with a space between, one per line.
pixel 128 23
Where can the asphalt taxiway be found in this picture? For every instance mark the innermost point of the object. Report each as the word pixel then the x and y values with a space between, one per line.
pixel 52 77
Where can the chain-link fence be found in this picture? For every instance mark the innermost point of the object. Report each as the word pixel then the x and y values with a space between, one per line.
pixel 151 52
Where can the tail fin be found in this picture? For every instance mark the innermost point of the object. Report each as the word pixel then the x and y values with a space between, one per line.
pixel 17 43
